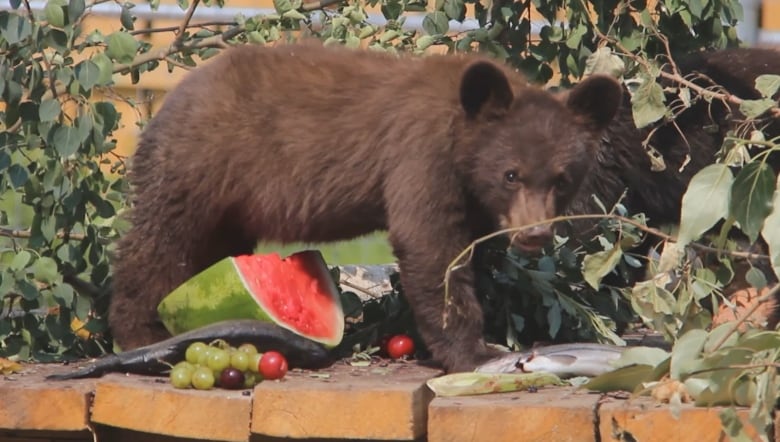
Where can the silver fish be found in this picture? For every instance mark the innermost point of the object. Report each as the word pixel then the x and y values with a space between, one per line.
pixel 564 360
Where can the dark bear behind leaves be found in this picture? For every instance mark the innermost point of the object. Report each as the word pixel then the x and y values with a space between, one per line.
pixel 622 163
pixel 305 143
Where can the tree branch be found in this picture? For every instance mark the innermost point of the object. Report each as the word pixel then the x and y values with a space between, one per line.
pixel 159 55
pixel 677 77
pixel 465 256
pixel 312 6
pixel 176 28
pixel 183 26
pixel 19 233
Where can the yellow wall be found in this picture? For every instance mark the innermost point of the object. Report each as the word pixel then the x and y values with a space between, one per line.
pixel 770 15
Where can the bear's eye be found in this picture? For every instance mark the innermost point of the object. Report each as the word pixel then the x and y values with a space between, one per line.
pixel 511 176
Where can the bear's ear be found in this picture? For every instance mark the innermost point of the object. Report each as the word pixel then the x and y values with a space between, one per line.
pixel 597 98
pixel 484 89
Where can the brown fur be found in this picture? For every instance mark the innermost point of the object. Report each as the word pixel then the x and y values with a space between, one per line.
pixel 303 143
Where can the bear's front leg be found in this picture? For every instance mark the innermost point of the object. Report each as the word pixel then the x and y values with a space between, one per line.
pixel 429 223
pixel 456 340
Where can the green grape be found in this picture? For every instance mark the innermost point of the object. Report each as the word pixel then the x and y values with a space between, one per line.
pixel 181 376
pixel 251 379
pixel 248 348
pixel 218 360
pixel 239 360
pixel 194 352
pixel 203 378
pixel 184 365
pixel 254 362
pixel 204 357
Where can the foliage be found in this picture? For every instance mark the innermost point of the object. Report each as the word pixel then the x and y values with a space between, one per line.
pixel 62 184
pixel 59 188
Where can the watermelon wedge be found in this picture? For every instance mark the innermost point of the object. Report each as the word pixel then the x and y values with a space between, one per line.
pixel 297 293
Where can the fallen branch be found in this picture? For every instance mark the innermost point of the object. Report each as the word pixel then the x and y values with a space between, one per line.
pixel 466 254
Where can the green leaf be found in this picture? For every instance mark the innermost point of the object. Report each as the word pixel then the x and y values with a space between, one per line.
pixel 597 265
pixel 5 158
pixel 392 9
pixel 66 140
pixel 45 270
pixel 575 36
pixel 49 110
pixel 294 14
pixel 126 18
pixel 754 108
pixel 282 6
pixel 625 378
pixel 121 47
pixel 603 61
pixel 55 15
pixel 755 278
pixel 685 353
pixel 768 84
pixel 17 29
pixel 651 356
pixel 554 319
pixel 771 231
pixel 751 197
pixel 424 42
pixel 647 103
pixel 63 293
pixel 20 261
pixel 455 9
pixel 75 10
pixel 88 74
pixel 436 23
pixel 696 7
pixel 106 68
pixel 29 291
pixel 705 202
pixel 84 126
pixel 18 175
pixel 106 114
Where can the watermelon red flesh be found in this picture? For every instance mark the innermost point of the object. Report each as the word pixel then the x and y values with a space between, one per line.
pixel 296 294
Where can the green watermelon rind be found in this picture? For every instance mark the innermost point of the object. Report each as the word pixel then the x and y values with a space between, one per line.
pixel 220 293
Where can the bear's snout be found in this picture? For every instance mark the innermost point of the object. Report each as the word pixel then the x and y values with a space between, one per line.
pixel 534 239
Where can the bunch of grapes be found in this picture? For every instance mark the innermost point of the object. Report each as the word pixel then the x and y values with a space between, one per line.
pixel 227 367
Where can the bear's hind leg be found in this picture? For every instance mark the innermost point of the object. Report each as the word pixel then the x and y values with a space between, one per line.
pixel 155 257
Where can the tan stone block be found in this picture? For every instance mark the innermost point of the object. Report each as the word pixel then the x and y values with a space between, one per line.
pixel 344 402
pixel 27 401
pixel 550 414
pixel 142 404
pixel 645 420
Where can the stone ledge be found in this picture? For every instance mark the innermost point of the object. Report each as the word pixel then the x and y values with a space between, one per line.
pixel 559 414
pixel 643 419
pixel 142 404
pixel 388 402
pixel 29 402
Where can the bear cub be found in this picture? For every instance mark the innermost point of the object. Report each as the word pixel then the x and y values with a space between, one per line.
pixel 308 143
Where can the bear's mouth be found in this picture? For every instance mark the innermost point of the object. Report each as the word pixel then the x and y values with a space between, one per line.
pixel 530 245
pixel 533 240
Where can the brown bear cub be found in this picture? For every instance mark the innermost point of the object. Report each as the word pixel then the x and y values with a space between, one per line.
pixel 306 143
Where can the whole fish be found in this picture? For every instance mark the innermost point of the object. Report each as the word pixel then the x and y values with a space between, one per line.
pixel 564 360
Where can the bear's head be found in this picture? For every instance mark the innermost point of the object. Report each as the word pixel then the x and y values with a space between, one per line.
pixel 525 151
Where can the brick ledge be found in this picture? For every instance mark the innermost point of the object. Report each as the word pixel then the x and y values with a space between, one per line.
pixel 388 402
